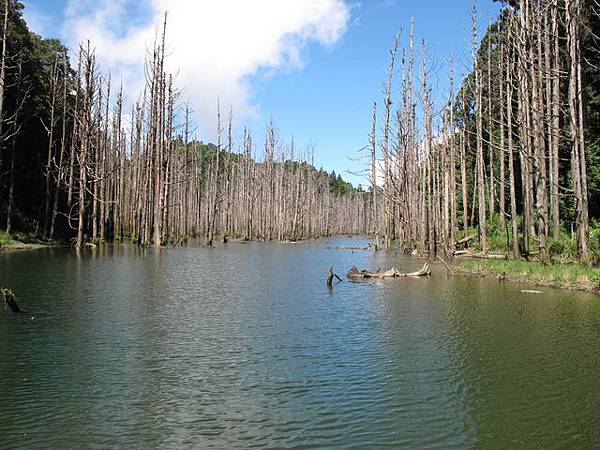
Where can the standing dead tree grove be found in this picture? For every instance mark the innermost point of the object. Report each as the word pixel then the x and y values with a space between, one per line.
pixel 506 153
pixel 146 179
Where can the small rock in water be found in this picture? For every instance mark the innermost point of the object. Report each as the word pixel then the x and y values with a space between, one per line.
pixel 527 291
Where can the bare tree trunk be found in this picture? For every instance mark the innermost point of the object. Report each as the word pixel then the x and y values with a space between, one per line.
pixel 3 59
pixel 60 175
pixel 374 188
pixel 578 164
pixel 555 128
pixel 480 162
pixel 463 172
pixel 386 149
pixel 511 165
pixel 50 130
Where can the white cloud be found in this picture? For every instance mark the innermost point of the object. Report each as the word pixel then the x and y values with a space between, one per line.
pixel 215 47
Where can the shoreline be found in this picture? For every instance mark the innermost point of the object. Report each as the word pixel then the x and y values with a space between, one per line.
pixel 572 276
pixel 21 246
pixel 20 241
pixel 569 276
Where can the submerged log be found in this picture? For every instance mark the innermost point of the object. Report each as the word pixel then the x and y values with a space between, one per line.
pixel 9 299
pixel 392 273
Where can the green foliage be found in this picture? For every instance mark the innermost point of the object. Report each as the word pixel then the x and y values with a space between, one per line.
pixel 591 76
pixel 564 248
pixel 497 236
pixel 595 243
pixel 556 247
pixel 595 278
pixel 5 239
pixel 16 238
pixel 30 95
pixel 339 187
pixel 556 275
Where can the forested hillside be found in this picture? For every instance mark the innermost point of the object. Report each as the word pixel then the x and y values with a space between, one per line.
pixel 26 66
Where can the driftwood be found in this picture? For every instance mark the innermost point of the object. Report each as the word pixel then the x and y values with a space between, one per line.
pixel 464 241
pixel 468 254
pixel 348 247
pixel 9 299
pixel 392 273
pixel 331 275
pixel 482 256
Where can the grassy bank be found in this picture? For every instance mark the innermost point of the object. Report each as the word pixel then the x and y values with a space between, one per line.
pixel 566 276
pixel 20 241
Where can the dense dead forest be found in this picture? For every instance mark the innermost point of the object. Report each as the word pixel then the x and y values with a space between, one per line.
pixel 151 182
pixel 500 160
pixel 141 174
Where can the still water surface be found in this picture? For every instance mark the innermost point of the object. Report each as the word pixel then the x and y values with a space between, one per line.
pixel 244 346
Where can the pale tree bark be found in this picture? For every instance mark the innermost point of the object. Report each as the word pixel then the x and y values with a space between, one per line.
pixel 480 161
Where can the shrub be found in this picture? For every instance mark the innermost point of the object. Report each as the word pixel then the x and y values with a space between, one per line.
pixel 5 238
pixel 595 243
pixel 556 247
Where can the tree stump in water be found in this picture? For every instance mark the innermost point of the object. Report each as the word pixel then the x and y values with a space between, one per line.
pixel 330 276
pixel 9 299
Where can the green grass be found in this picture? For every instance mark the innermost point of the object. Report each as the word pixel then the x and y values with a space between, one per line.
pixel 573 276
pixel 562 250
pixel 19 241
pixel 5 239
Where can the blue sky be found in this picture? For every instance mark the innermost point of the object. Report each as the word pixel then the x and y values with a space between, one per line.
pixel 318 89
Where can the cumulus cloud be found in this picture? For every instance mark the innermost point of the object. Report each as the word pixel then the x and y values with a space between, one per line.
pixel 215 47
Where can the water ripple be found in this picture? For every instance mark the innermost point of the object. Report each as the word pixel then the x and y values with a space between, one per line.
pixel 245 347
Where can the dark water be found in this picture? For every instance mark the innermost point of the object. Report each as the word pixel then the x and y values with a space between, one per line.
pixel 244 347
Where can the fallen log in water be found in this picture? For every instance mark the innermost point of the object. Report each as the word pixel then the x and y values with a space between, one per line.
pixel 392 273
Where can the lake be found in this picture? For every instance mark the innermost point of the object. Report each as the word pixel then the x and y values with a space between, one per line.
pixel 244 346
